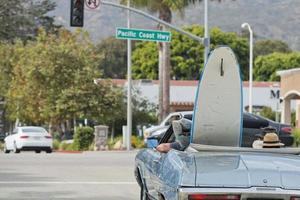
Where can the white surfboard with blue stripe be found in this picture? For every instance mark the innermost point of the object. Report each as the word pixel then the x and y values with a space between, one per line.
pixel 218 107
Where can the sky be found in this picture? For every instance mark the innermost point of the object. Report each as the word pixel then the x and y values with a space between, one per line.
pixel 269 19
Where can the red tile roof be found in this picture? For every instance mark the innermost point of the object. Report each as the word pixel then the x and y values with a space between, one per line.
pixel 182 103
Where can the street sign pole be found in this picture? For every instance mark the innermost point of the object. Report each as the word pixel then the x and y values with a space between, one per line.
pixel 129 108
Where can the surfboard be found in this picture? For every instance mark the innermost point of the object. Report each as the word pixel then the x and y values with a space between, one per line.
pixel 218 109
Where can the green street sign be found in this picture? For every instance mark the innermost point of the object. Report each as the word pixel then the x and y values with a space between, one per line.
pixel 141 34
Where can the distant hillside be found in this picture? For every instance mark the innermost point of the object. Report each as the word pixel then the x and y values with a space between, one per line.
pixel 274 19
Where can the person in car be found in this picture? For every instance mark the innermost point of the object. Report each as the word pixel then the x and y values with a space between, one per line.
pixel 258 143
pixel 182 130
pixel 269 139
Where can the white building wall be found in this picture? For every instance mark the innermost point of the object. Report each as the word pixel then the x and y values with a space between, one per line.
pixel 182 93
pixel 262 96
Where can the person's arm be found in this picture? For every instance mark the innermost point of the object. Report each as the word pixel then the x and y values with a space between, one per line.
pixel 164 147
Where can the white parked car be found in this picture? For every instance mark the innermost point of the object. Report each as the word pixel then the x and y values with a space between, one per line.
pixel 28 138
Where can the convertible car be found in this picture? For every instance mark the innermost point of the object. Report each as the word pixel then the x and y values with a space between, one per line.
pixel 214 165
pixel 204 172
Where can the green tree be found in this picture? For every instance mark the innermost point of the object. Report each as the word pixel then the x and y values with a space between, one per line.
pixel 113 62
pixel 143 113
pixel 186 54
pixel 265 47
pixel 21 18
pixel 7 56
pixel 265 67
pixel 53 81
pixel 267 112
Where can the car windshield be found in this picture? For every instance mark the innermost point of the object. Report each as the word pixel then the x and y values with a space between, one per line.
pixel 34 130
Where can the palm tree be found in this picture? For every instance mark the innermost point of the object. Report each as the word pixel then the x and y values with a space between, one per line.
pixel 164 9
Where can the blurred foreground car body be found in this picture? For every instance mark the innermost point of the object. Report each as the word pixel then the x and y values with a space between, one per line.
pixel 214 166
pixel 203 172
pixel 28 138
pixel 252 126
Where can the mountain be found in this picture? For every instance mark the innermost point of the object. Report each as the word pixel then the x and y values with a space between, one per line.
pixel 269 19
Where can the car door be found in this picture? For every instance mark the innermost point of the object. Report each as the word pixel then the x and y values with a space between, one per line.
pixel 157 161
pixel 152 167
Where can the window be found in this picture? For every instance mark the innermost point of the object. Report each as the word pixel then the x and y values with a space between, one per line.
pixel 34 130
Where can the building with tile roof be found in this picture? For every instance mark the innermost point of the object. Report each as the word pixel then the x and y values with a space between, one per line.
pixel 182 93
pixel 290 91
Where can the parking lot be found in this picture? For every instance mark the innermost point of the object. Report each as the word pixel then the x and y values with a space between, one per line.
pixel 88 175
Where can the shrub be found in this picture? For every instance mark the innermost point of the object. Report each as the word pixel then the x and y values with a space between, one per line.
pixel 83 138
pixel 65 146
pixel 1 146
pixel 56 144
pixel 56 136
pixel 296 134
pixel 70 147
pixel 91 147
pixel 137 142
pixel 111 143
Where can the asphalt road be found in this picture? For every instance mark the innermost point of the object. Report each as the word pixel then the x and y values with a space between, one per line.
pixel 88 175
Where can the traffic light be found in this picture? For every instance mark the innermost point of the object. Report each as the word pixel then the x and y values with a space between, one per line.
pixel 77 10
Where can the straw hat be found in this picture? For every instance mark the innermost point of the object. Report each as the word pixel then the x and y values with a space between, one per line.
pixel 271 140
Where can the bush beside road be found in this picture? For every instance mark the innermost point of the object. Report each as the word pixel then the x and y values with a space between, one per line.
pixel 84 141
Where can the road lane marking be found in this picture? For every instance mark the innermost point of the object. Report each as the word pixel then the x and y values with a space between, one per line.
pixel 70 182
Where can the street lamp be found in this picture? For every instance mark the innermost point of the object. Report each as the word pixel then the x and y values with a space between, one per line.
pixel 246 25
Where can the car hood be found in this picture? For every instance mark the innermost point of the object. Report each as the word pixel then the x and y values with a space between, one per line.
pixel 247 170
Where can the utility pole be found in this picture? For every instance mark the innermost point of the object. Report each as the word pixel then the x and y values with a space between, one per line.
pixel 206 32
pixel 129 108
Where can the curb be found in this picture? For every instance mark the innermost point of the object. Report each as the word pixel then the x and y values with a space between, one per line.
pixel 67 151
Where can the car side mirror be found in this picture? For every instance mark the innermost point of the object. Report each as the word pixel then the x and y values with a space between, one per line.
pixel 152 141
pixel 7 134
